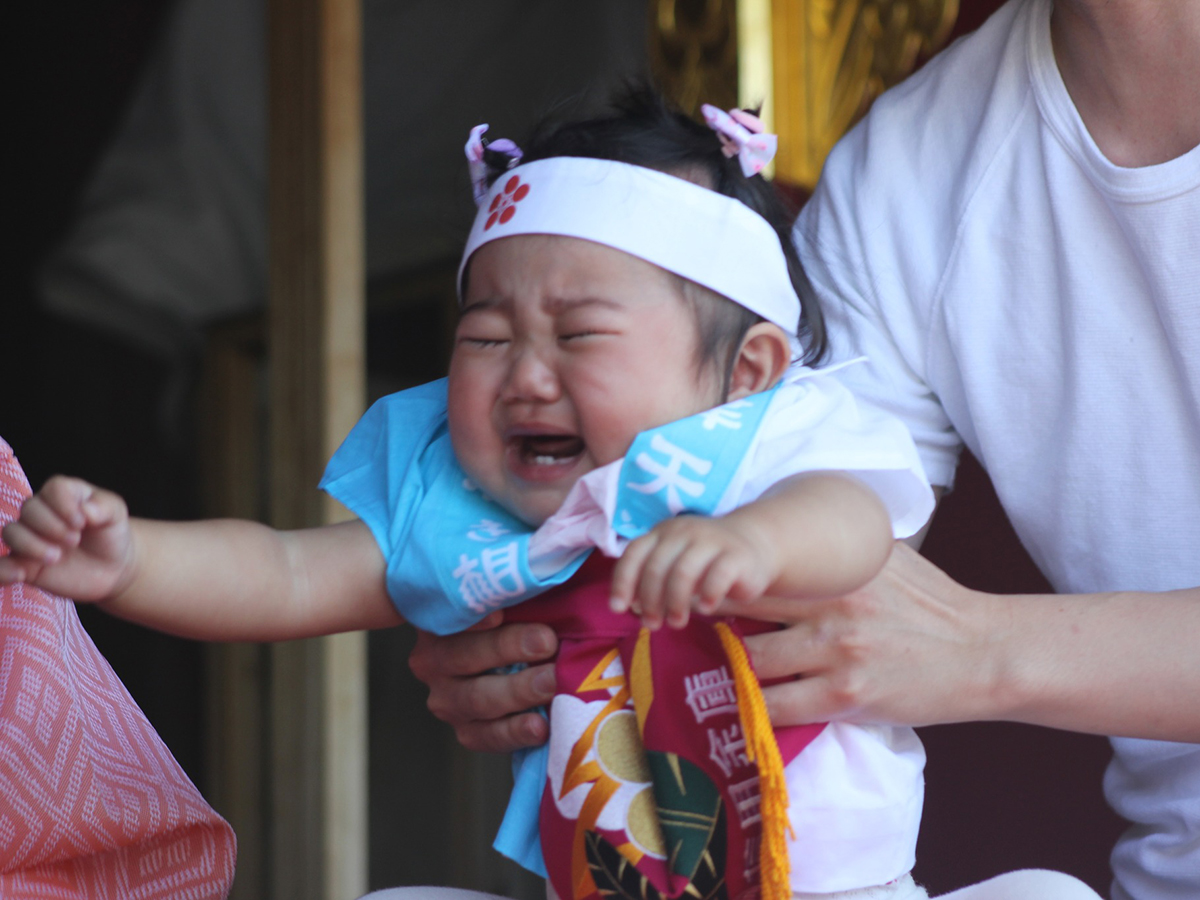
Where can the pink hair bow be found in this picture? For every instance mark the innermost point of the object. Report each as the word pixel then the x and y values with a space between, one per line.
pixel 741 134
pixel 477 167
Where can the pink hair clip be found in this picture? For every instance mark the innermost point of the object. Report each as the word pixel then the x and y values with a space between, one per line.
pixel 741 135
pixel 477 167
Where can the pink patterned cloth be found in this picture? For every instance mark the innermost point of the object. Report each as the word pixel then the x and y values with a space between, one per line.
pixel 92 804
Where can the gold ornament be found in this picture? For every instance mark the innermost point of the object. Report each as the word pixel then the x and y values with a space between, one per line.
pixel 832 58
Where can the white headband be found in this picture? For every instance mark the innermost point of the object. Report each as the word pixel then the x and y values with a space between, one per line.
pixel 706 237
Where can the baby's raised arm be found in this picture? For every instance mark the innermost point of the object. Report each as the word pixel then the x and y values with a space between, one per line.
pixel 819 534
pixel 219 579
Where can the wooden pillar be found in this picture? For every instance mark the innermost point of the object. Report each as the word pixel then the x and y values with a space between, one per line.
pixel 316 371
pixel 755 59
pixel 232 457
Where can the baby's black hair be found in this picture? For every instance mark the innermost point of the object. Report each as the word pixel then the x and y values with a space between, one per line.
pixel 642 128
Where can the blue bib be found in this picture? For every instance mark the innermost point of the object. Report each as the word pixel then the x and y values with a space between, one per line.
pixel 453 555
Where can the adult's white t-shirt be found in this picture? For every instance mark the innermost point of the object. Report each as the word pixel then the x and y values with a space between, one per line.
pixel 1018 293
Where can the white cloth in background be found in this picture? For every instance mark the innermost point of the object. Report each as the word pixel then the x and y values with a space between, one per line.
pixel 171 231
pixel 1017 292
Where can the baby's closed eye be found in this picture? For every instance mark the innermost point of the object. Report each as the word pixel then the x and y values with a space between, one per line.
pixel 579 334
pixel 482 331
pixel 580 326
pixel 473 341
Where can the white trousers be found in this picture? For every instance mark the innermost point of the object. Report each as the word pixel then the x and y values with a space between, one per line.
pixel 1026 884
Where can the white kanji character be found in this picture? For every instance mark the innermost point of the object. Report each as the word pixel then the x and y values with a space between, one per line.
pixel 752 858
pixel 669 476
pixel 472 583
pixel 486 530
pixel 494 577
pixel 725 416
pixel 710 693
pixel 503 568
pixel 747 801
pixel 727 748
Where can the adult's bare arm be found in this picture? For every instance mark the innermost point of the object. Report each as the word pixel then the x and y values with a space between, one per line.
pixel 489 711
pixel 914 647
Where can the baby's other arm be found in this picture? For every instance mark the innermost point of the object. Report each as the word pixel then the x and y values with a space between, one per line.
pixel 219 579
pixel 819 534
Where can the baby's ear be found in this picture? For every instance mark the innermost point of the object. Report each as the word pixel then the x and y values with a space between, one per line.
pixel 761 360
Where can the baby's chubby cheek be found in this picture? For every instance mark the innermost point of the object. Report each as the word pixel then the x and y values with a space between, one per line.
pixel 473 445
pixel 470 459
pixel 482 461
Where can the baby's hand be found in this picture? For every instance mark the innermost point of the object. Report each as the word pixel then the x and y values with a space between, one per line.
pixel 691 561
pixel 71 538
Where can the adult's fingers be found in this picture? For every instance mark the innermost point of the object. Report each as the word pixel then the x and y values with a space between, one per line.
pixel 822 681
pixel 485 698
pixel 516 732
pixel 488 711
pixel 795 650
pixel 802 702
pixel 476 652
pixel 912 647
pixel 766 608
pixel 491 712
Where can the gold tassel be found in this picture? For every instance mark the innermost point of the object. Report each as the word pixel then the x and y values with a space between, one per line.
pixel 762 749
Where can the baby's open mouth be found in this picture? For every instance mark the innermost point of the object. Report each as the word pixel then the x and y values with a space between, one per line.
pixel 548 449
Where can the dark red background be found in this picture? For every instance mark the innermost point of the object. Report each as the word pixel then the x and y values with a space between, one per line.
pixel 1004 796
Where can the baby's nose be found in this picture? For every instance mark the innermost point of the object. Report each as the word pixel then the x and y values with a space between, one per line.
pixel 532 377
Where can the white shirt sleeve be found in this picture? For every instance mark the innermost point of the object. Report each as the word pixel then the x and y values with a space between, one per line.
pixel 874 274
pixel 815 424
